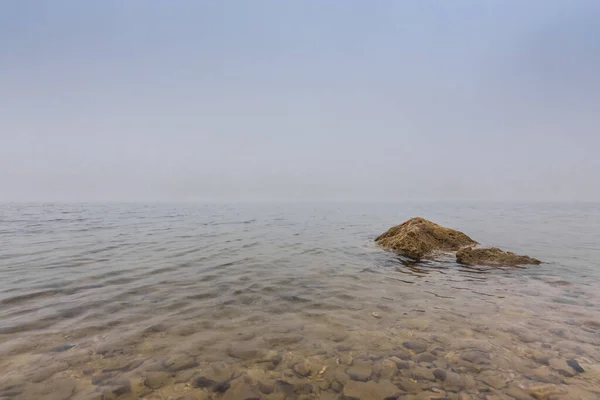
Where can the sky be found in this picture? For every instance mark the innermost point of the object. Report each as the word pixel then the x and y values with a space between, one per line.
pixel 480 100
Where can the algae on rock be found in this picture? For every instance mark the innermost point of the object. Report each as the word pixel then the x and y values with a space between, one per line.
pixel 418 237
pixel 492 256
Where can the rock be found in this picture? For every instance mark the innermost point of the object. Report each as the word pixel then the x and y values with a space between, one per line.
pixel 329 396
pixel 341 377
pixel 388 369
pixel 63 347
pixel 575 365
pixel 517 393
pixel 475 357
pixel 360 371
pixel 382 390
pixel 58 389
pixel 439 374
pixel 540 357
pixel 178 362
pixel 425 357
pixel 418 346
pixel 100 379
pixel 336 386
pixel 492 256
pixel 246 351
pixel 543 392
pixel 156 380
pixel 184 376
pixel 271 356
pixel 275 396
pixel 422 373
pixel 561 366
pixel 302 368
pixel 418 237
pixel 425 396
pixel 402 354
pixel 241 390
pixel 543 374
pixel 493 379
pixel 216 377
pixel 283 340
pixel 44 373
pixel 117 388
pixel 559 332
pixel 409 385
pixel 346 359
pixel 456 381
pixel 266 386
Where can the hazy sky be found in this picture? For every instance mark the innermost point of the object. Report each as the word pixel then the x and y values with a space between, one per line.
pixel 310 100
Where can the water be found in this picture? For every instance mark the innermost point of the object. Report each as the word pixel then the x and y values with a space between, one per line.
pixel 293 301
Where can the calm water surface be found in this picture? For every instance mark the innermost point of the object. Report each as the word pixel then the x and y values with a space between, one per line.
pixel 294 301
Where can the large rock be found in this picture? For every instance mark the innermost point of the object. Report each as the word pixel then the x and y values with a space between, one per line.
pixel 382 390
pixel 418 237
pixel 492 256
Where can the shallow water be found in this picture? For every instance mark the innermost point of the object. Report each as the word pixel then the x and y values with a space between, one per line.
pixel 293 301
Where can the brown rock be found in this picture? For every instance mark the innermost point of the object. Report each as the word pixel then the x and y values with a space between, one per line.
pixel 492 378
pixel 425 357
pixel 117 388
pixel 302 368
pixel 561 366
pixel 401 354
pixel 360 371
pixel 492 256
pixel 179 362
pixel 336 386
pixel 418 346
pixel 475 357
pixel 246 351
pixel 216 377
pixel 439 374
pixel 275 396
pixel 266 386
pixel 387 369
pixel 418 237
pixel 241 390
pixel 156 380
pixel 382 390
pixel 517 393
pixel 58 389
pixel 456 381
pixel 422 373
pixel 409 385
pixel 542 392
pixel 44 373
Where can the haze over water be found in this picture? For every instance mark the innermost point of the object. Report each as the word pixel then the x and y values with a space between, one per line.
pixel 99 299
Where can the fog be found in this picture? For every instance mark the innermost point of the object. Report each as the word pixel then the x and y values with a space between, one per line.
pixel 307 100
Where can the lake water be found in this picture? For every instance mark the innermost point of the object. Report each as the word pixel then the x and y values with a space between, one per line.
pixel 294 301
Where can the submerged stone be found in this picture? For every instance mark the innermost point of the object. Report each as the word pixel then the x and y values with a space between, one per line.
pixel 381 390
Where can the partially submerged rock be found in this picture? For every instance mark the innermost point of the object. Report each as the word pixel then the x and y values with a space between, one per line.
pixel 418 237
pixel 492 256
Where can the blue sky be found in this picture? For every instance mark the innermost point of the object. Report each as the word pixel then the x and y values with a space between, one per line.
pixel 299 100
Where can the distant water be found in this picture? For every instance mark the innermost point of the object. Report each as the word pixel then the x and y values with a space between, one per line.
pixel 105 299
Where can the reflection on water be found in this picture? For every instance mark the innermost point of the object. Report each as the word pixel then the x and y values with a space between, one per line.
pixel 291 302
